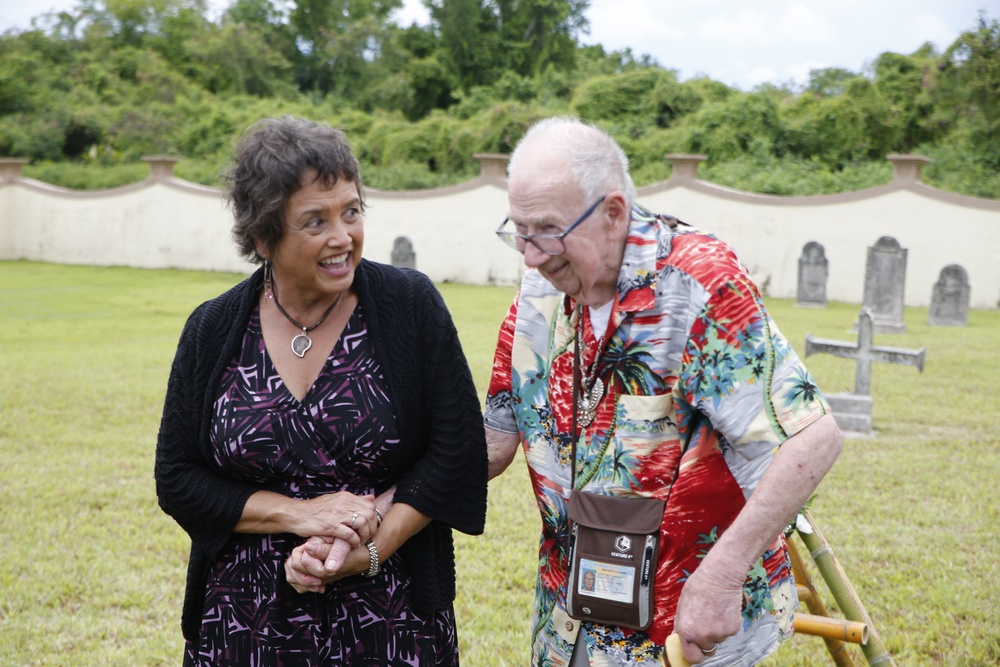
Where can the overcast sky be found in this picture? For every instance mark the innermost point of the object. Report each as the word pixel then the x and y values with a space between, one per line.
pixel 735 42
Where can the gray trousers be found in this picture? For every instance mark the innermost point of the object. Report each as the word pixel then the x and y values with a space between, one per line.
pixel 580 657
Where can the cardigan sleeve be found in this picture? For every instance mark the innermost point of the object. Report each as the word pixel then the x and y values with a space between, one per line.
pixel 207 505
pixel 448 482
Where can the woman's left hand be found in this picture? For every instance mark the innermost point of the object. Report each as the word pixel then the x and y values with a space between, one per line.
pixel 308 568
pixel 306 573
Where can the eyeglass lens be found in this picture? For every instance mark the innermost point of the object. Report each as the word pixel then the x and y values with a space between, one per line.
pixel 550 244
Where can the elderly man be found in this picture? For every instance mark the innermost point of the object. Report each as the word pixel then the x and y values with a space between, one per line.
pixel 685 391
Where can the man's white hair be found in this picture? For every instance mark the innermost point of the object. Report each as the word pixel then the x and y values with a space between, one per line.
pixel 596 161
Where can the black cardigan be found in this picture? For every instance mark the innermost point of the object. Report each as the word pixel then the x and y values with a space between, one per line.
pixel 442 466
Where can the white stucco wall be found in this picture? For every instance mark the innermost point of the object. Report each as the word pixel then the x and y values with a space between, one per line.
pixel 165 222
pixel 451 230
pixel 769 233
pixel 158 224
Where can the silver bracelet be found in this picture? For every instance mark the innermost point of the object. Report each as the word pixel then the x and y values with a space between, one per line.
pixel 373 554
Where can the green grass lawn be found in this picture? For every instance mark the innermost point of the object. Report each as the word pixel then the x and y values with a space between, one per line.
pixel 92 573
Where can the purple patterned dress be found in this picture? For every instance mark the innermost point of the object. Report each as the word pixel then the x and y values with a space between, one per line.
pixel 341 436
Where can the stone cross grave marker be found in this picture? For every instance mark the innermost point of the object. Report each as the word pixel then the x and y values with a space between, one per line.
pixel 853 411
pixel 813 271
pixel 885 279
pixel 950 298
pixel 402 253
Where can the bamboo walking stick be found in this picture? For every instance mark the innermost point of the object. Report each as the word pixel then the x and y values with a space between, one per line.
pixel 834 645
pixel 843 592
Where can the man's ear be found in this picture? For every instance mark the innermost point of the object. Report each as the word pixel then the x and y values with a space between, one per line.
pixel 618 211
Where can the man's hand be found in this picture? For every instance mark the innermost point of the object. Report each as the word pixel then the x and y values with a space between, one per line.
pixel 710 605
pixel 709 610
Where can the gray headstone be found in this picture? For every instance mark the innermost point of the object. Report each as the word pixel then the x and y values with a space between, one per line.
pixel 402 253
pixel 950 298
pixel 885 279
pixel 813 271
pixel 853 412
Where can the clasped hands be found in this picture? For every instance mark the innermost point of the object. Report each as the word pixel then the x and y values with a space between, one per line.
pixel 337 526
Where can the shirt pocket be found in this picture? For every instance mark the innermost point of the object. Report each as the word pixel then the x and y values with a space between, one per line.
pixel 644 421
pixel 644 413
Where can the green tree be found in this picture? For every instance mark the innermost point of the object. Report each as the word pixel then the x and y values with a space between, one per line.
pixel 131 22
pixel 857 125
pixel 33 69
pixel 907 84
pixel 484 37
pixel 828 81
pixel 239 58
pixel 470 40
pixel 112 80
pixel 970 76
pixel 651 94
pixel 336 39
pixel 973 63
pixel 741 123
pixel 539 32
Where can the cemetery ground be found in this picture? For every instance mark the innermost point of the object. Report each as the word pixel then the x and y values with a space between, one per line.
pixel 93 572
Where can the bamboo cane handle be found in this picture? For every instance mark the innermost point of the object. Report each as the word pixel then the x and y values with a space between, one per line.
pixel 673 655
pixel 833 628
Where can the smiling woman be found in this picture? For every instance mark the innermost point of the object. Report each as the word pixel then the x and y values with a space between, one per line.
pixel 322 243
pixel 315 456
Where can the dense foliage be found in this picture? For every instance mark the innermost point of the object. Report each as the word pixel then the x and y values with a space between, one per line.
pixel 86 93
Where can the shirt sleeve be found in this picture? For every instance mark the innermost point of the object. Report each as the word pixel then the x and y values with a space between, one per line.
pixel 499 414
pixel 740 372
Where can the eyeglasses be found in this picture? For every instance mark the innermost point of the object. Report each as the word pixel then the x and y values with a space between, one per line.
pixel 550 244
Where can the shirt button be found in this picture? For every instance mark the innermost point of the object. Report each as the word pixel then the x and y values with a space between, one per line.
pixel 569 625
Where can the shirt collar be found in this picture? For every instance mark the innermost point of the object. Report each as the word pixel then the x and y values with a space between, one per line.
pixel 637 276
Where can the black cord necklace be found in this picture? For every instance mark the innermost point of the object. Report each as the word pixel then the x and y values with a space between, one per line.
pixel 302 342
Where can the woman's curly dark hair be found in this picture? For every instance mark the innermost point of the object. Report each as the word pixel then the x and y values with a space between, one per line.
pixel 270 161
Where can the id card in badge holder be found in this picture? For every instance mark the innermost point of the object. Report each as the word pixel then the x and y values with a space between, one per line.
pixel 613 550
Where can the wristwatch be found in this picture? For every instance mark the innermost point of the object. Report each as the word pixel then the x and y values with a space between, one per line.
pixel 373 553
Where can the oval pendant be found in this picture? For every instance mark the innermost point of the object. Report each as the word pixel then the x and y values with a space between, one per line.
pixel 301 345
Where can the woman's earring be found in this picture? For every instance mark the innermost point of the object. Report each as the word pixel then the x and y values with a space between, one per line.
pixel 268 294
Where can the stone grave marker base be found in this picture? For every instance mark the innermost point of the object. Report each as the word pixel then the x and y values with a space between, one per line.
pixel 853 412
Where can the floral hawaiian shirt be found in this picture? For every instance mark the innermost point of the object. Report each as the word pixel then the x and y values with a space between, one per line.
pixel 701 389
